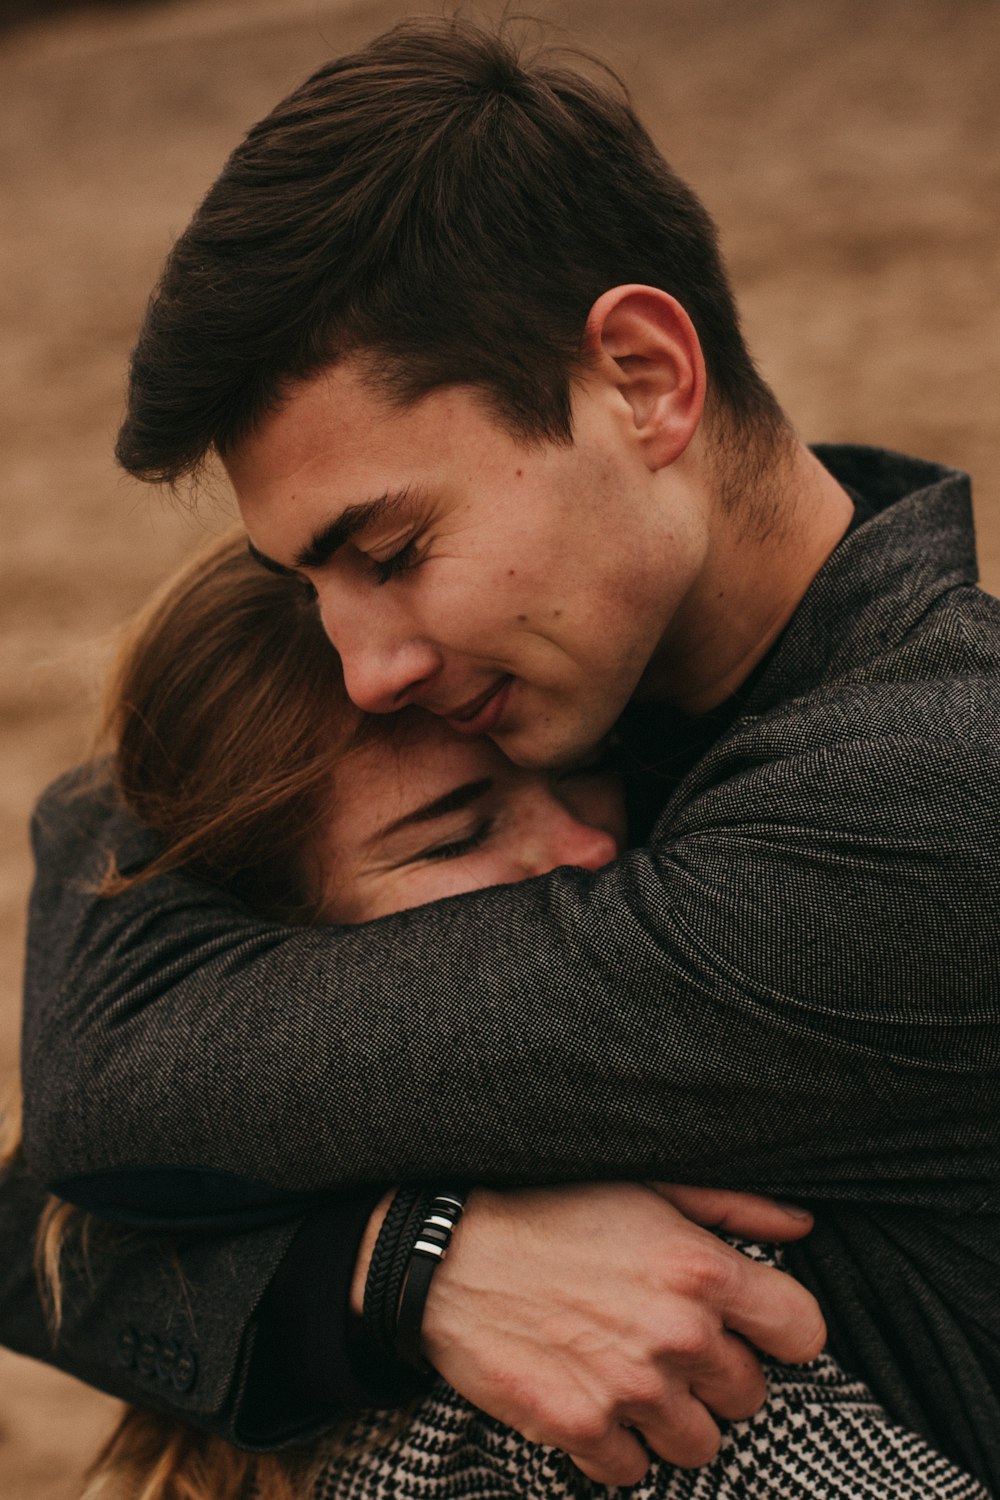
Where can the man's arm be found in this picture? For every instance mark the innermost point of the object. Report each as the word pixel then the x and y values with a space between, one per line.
pixel 212 1332
pixel 797 1002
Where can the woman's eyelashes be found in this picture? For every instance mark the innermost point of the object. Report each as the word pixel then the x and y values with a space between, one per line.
pixel 455 848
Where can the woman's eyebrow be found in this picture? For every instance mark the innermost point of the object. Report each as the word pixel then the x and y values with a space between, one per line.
pixel 452 801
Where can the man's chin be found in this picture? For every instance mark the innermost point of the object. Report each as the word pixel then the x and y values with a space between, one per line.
pixel 546 747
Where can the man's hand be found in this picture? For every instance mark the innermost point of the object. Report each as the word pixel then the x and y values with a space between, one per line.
pixel 581 1316
pixel 749 1216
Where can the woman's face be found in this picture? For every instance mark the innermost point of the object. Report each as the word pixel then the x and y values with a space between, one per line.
pixel 431 814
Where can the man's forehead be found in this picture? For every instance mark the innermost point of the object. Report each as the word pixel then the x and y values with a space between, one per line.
pixel 312 466
pixel 335 433
pixel 301 432
pixel 343 423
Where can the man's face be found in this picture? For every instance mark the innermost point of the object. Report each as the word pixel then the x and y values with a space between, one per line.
pixel 517 590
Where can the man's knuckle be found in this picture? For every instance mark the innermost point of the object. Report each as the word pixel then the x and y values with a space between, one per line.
pixel 643 1392
pixel 587 1432
pixel 708 1275
pixel 616 1472
pixel 687 1341
pixel 628 1471
pixel 575 1430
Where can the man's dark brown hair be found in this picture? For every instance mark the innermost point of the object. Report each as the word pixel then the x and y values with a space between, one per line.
pixel 450 209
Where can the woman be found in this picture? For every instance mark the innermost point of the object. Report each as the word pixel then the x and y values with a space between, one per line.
pixel 233 739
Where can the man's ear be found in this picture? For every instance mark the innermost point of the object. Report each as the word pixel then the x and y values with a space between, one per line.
pixel 643 342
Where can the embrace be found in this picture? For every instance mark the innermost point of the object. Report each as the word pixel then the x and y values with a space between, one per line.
pixel 417 1032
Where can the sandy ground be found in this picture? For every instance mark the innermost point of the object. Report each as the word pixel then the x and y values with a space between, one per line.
pixel 849 150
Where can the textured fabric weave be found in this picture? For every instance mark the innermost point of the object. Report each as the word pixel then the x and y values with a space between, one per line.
pixel 821 1436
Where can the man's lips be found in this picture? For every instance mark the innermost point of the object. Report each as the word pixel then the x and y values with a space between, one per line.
pixel 481 713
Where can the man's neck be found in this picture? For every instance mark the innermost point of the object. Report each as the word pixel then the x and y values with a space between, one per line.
pixel 749 588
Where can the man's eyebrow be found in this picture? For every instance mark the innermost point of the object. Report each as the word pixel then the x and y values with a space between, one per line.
pixel 330 538
pixel 452 801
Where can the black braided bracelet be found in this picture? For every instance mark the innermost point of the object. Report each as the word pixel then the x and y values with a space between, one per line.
pixel 427 1251
pixel 382 1299
pixel 396 1273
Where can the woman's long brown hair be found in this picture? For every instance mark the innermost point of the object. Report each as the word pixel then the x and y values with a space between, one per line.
pixel 226 714
pixel 225 717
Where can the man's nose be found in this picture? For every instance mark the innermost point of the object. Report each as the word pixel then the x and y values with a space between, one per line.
pixel 384 665
pixel 564 839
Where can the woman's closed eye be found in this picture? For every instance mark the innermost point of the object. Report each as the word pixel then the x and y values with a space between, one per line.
pixel 455 848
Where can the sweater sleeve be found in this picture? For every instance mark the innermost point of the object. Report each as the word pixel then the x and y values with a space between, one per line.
pixel 792 989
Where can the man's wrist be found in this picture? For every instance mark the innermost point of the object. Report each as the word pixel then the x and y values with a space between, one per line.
pixel 452 1297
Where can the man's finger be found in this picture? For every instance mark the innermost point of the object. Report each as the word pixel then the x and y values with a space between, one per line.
pixel 774 1312
pixel 684 1434
pixel 736 1386
pixel 620 1459
pixel 748 1214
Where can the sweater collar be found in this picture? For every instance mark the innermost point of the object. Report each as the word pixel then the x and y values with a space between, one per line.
pixel 882 578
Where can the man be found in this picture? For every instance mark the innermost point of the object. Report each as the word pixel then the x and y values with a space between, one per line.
pixel 466 348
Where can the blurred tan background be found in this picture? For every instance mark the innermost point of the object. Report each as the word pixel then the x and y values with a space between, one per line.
pixel 849 149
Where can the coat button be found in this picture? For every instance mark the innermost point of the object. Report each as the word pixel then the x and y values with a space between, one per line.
pixel 185 1370
pixel 166 1360
pixel 145 1359
pixel 128 1342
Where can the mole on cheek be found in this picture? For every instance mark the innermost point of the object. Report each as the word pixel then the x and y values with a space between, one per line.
pixel 521 619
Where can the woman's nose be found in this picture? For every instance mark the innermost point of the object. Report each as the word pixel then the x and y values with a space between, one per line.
pixel 567 840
